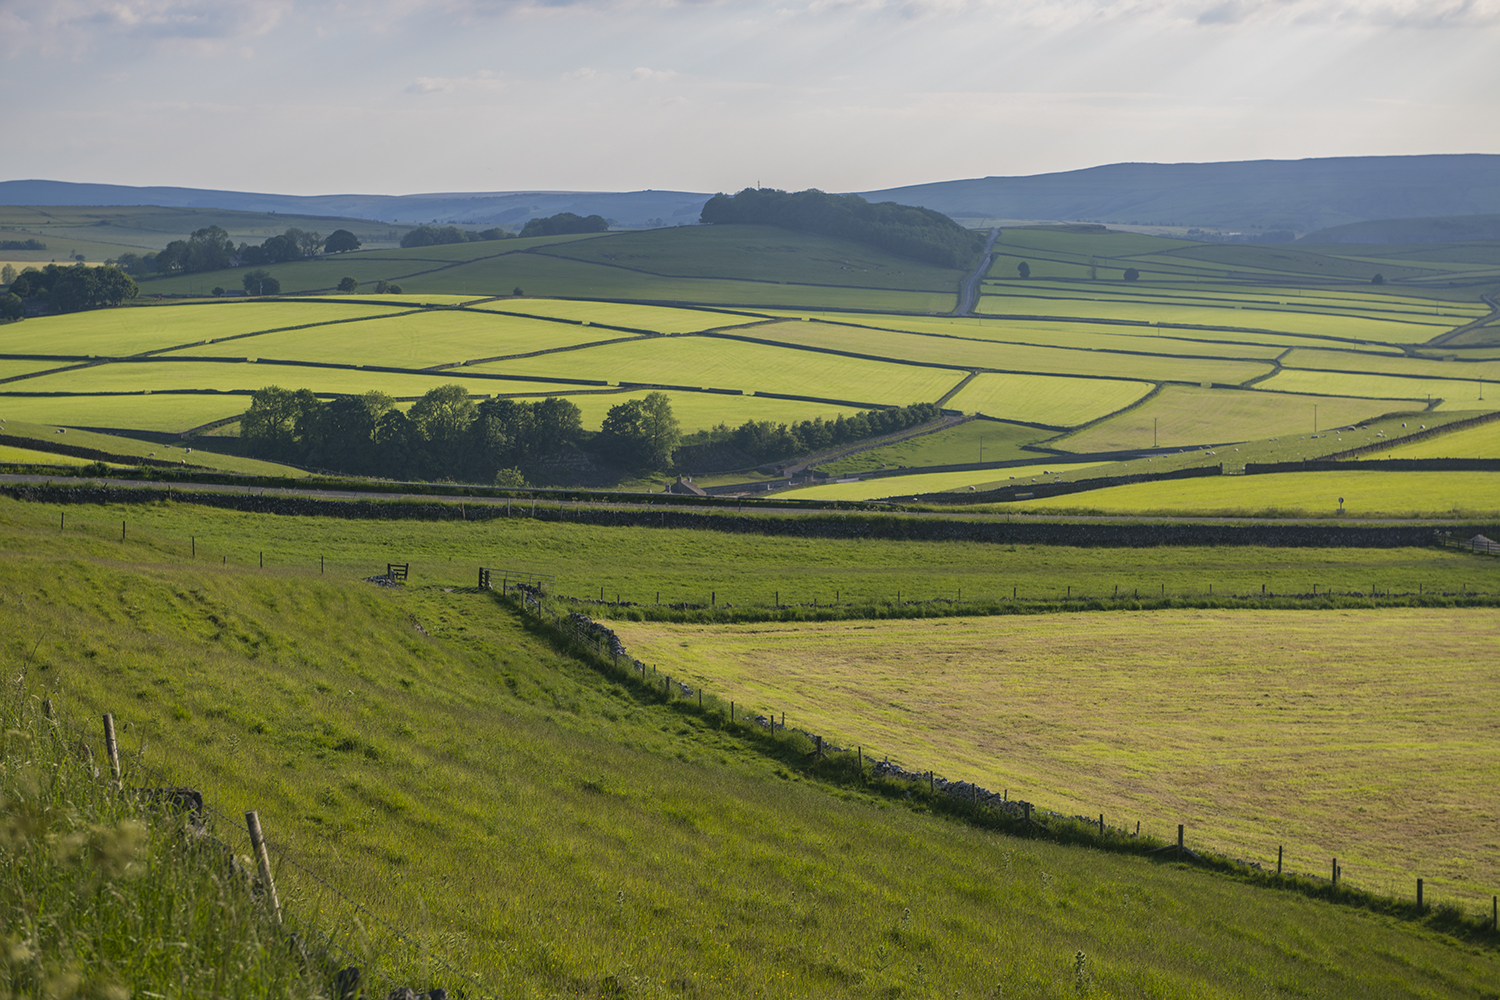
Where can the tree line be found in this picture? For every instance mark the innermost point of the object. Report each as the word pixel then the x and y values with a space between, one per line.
pixel 904 230
pixel 212 249
pixel 767 441
pixel 65 289
pixel 447 435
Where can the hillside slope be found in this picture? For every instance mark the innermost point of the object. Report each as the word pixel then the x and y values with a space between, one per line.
pixel 519 826
pixel 1299 195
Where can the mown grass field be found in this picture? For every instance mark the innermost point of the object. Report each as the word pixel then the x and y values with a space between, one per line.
pixel 937 482
pixel 1361 735
pixel 413 340
pixel 133 329
pixel 1454 393
pixel 564 835
pixel 134 413
pixel 127 448
pixel 971 441
pixel 1189 416
pixel 1474 442
pixel 1367 493
pixel 1015 357
pixel 1055 401
pixel 728 364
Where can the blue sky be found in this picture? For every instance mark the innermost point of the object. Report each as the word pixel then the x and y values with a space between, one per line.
pixel 401 96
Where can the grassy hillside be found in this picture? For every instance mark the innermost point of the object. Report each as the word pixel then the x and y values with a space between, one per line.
pixel 529 828
pixel 101 232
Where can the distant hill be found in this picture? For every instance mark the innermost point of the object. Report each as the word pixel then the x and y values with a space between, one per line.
pixel 1302 196
pixel 1450 229
pixel 511 209
pixel 1299 195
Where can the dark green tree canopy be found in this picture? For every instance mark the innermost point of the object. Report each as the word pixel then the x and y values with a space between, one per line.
pixel 565 224
pixel 69 289
pixel 260 282
pixel 918 233
pixel 341 241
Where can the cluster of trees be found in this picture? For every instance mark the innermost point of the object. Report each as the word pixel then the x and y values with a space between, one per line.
pixel 431 236
pixel 918 233
pixel 565 224
pixel 22 245
pixel 767 441
pixel 212 249
pixel 66 289
pixel 446 435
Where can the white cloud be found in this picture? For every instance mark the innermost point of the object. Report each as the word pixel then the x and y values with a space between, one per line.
pixel 483 80
pixel 645 73
pixel 75 26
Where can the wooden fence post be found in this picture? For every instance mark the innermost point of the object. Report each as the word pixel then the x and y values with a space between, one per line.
pixel 1495 913
pixel 1179 840
pixel 1101 824
pixel 1278 859
pixel 1419 895
pixel 1335 871
pixel 112 748
pixel 1027 807
pixel 263 860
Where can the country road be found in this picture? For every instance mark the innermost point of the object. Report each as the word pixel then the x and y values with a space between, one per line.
pixel 968 295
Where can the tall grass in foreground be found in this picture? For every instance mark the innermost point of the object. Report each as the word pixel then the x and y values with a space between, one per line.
pixel 103 898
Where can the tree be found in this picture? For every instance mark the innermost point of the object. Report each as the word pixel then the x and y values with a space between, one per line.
pixel 441 420
pixel 341 241
pixel 260 282
pixel 510 479
pixel 218 292
pixel 1131 274
pixel 642 432
pixel 565 223
pixel 1379 279
pixel 1023 269
pixel 11 306
pixel 268 428
pixel 348 284
pixel 7 274
pixel 517 291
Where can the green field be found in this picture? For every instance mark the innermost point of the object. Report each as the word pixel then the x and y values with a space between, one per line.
pixel 1474 442
pixel 1256 729
pixel 1369 493
pixel 127 448
pixel 654 318
pixel 1455 393
pixel 1465 370
pixel 937 482
pixel 413 340
pixel 1046 399
pixel 1008 357
pixel 971 441
pixel 566 835
pixel 728 364
pixel 1188 416
pixel 118 228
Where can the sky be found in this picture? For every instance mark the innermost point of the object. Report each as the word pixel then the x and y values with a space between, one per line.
pixel 407 96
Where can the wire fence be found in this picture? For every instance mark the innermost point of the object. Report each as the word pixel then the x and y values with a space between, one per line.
pixel 966 798
pixel 316 916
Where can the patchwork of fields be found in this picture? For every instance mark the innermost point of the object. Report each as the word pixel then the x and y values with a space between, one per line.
pixel 1213 344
